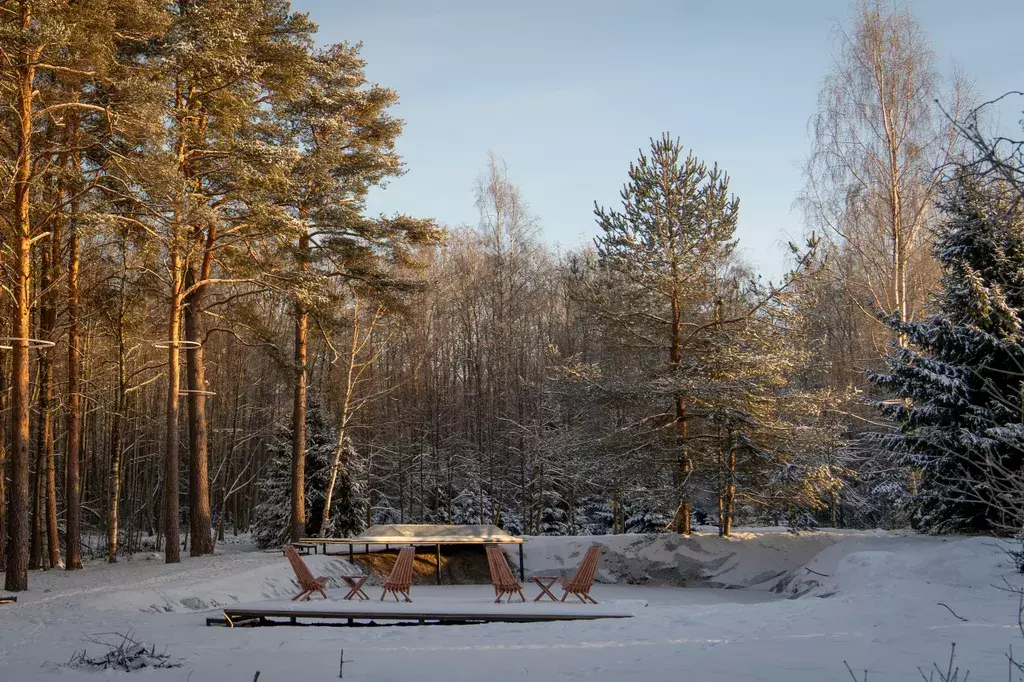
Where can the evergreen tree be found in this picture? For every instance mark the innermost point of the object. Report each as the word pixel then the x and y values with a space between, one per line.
pixel 384 512
pixel 643 516
pixel 595 516
pixel 348 504
pixel 957 384
pixel 663 251
pixel 554 520
pixel 272 515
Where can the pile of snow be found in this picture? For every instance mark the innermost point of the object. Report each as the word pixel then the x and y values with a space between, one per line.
pixel 224 580
pixel 760 559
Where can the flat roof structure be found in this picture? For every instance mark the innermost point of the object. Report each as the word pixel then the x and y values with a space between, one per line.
pixel 420 534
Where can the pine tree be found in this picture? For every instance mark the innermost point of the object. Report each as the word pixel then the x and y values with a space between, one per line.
pixel 342 137
pixel 663 251
pixel 957 384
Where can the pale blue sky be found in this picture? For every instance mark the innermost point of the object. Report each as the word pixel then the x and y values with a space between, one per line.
pixel 568 91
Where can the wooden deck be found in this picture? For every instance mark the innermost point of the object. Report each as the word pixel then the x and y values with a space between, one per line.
pixel 430 613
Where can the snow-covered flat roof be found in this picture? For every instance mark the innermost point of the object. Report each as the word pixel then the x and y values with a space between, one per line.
pixel 428 534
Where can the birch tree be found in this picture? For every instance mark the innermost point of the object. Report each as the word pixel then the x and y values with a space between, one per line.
pixel 880 141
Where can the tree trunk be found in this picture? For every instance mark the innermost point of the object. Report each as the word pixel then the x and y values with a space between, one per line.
pixel 172 524
pixel 16 575
pixel 116 435
pixel 684 512
pixel 345 414
pixel 730 489
pixel 35 557
pixel 73 559
pixel 681 520
pixel 200 525
pixel 47 324
pixel 298 492
pixel 3 449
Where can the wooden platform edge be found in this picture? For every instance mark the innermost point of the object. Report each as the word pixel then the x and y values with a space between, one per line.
pixel 257 617
pixel 420 541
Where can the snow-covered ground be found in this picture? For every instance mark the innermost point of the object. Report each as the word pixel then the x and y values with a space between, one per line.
pixel 800 606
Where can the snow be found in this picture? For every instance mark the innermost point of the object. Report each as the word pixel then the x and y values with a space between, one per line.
pixel 869 598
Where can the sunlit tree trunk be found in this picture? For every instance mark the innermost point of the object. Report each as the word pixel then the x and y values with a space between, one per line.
pixel 298 487
pixel 16 575
pixel 200 525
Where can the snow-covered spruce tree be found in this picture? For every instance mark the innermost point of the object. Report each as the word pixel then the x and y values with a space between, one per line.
pixel 554 520
pixel 595 516
pixel 384 512
pixel 512 521
pixel 348 505
pixel 643 516
pixel 957 383
pixel 272 516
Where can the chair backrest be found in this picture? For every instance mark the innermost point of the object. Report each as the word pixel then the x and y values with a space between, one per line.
pixel 584 576
pixel 306 579
pixel 401 572
pixel 501 575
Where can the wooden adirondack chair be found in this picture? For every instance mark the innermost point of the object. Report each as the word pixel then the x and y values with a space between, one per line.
pixel 501 576
pixel 580 582
pixel 307 582
pixel 400 580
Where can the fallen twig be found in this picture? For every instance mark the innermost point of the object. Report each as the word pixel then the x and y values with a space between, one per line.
pixel 953 612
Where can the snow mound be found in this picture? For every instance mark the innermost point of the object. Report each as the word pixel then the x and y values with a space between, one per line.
pixel 882 567
pixel 701 560
pixel 819 564
pixel 212 582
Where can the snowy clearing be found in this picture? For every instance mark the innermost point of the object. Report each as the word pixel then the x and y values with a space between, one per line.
pixel 871 599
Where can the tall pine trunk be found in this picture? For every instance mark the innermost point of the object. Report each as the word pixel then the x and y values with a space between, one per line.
pixel 3 448
pixel 116 429
pixel 684 512
pixel 72 553
pixel 35 558
pixel 298 487
pixel 47 324
pixel 172 524
pixel 199 486
pixel 730 488
pixel 16 575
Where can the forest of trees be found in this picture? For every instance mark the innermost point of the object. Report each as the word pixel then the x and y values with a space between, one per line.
pixel 205 332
